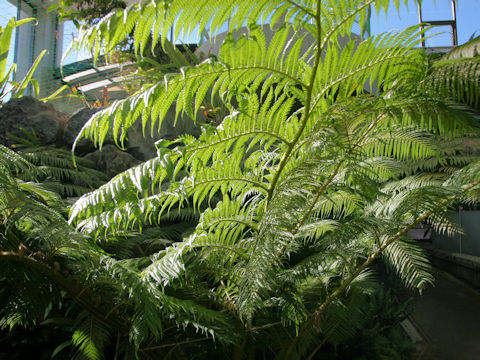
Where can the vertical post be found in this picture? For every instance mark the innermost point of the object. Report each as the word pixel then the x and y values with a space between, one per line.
pixel 420 21
pixel 24 37
pixel 454 24
pixel 460 223
pixel 59 42
pixel 17 36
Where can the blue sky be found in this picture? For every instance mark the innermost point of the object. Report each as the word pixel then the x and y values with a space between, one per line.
pixel 468 19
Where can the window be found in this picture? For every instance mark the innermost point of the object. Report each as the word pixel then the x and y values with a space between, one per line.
pixel 8 11
pixel 70 33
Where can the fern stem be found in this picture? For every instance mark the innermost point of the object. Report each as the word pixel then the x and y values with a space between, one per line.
pixel 334 173
pixel 117 345
pixel 151 348
pixel 266 326
pixel 317 196
pixel 306 113
pixel 341 23
pixel 304 9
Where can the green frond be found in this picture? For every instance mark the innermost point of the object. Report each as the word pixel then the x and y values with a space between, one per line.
pixel 116 195
pixel 410 264
pixel 312 274
pixel 254 124
pixel 342 321
pixel 154 20
pixel 463 178
pixel 232 74
pixel 55 168
pixel 293 311
pixel 66 190
pixel 314 230
pixel 456 80
pixel 347 316
pixel 25 296
pixel 468 50
pixel 337 204
pixel 339 17
pixel 228 213
pixel 412 203
pixel 426 114
pixel 413 182
pixel 400 144
pixel 154 309
pixel 90 338
pixel 442 223
pixel 168 265
pixel 12 161
pixel 255 288
pixel 37 190
pixel 387 59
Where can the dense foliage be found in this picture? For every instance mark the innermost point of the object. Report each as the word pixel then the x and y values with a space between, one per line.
pixel 257 239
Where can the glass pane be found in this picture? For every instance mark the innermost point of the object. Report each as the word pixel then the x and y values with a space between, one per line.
pixel 437 10
pixel 70 33
pixel 439 36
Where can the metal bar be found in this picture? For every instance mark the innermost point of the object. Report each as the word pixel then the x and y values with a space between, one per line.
pixel 420 21
pixel 17 36
pixel 454 25
pixel 440 22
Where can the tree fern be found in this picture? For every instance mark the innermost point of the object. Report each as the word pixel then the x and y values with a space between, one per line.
pixel 329 153
pixel 325 162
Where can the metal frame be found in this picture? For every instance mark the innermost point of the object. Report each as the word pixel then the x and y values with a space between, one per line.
pixel 452 23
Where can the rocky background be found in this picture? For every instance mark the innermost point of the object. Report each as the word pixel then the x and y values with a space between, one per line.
pixel 56 129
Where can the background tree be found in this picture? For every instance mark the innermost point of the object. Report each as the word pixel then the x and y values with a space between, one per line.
pixel 86 11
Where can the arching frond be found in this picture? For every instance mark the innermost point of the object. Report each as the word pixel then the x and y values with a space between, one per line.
pixel 410 264
pixel 456 80
pixel 382 59
pixel 116 195
pixel 468 50
pixel 90 338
